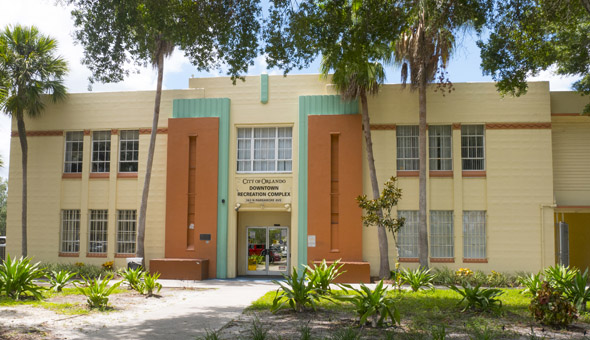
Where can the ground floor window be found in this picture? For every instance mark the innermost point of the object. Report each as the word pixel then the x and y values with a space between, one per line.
pixel 474 234
pixel 441 234
pixel 126 231
pixel 70 231
pixel 407 236
pixel 97 232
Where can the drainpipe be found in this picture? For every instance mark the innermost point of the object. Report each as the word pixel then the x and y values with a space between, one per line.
pixel 541 207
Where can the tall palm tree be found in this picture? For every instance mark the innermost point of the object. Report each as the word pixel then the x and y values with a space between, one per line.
pixel 28 70
pixel 423 51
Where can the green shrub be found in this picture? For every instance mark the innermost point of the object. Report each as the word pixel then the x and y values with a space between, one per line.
pixel 532 283
pixel 17 277
pixel 479 298
pixel 150 284
pixel 322 275
pixel 444 276
pixel 374 305
pixel 417 278
pixel 295 291
pixel 497 279
pixel 58 280
pixel 560 277
pixel 97 291
pixel 551 308
pixel 132 277
pixel 577 292
pixel 84 270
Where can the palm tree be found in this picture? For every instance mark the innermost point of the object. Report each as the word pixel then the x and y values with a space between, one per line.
pixel 28 70
pixel 423 51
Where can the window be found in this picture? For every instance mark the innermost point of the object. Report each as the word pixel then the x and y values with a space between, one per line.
pixel 97 233
pixel 474 234
pixel 128 150
pixel 439 143
pixel 126 232
pixel 407 148
pixel 472 147
pixel 407 236
pixel 70 231
pixel 441 234
pixel 264 149
pixel 101 151
pixel 74 151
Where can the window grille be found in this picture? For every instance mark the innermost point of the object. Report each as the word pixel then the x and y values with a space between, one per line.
pixel 126 231
pixel 441 234
pixel 70 231
pixel 407 148
pixel 74 151
pixel 472 147
pixel 407 237
pixel 128 150
pixel 265 149
pixel 101 151
pixel 474 234
pixel 97 234
pixel 440 147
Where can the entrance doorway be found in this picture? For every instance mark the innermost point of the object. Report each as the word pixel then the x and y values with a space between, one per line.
pixel 268 250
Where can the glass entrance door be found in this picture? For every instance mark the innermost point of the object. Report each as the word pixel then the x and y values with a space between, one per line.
pixel 268 250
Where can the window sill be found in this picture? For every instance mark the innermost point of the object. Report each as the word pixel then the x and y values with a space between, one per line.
pixel 127 175
pixel 441 173
pixel 475 260
pixel 474 173
pixel 409 259
pixel 60 254
pixel 71 175
pixel 442 260
pixel 124 255
pixel 96 255
pixel 100 175
pixel 407 173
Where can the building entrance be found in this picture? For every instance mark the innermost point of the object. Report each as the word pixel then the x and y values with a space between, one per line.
pixel 268 250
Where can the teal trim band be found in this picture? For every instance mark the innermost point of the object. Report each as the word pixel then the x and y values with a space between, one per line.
pixel 214 107
pixel 264 88
pixel 313 105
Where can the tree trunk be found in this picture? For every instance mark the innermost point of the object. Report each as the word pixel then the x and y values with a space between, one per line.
pixel 150 161
pixel 384 269
pixel 22 136
pixel 422 226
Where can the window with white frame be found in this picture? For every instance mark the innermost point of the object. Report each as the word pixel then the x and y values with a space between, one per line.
pixel 128 150
pixel 474 234
pixel 265 149
pixel 441 234
pixel 472 147
pixel 407 147
pixel 126 231
pixel 407 236
pixel 440 147
pixel 97 232
pixel 101 151
pixel 70 231
pixel 74 151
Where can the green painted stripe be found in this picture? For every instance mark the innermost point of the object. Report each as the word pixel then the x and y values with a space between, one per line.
pixel 313 105
pixel 264 88
pixel 214 107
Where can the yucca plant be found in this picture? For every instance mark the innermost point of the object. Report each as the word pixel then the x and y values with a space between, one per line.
pixel 577 292
pixel 59 279
pixel 531 282
pixel 322 275
pixel 560 277
pixel 417 278
pixel 150 284
pixel 132 277
pixel 97 291
pixel 17 277
pixel 375 305
pixel 480 298
pixel 295 291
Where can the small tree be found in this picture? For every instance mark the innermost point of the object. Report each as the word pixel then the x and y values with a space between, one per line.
pixel 379 211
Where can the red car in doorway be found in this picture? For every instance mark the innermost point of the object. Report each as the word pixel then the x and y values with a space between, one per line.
pixel 260 249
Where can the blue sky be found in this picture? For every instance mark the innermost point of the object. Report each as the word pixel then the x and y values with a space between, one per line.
pixel 56 22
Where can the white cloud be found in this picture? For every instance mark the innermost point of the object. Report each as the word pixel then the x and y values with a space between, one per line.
pixel 556 82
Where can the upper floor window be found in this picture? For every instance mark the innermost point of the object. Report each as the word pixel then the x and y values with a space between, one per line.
pixel 265 149
pixel 101 151
pixel 128 150
pixel 407 148
pixel 74 151
pixel 439 142
pixel 472 147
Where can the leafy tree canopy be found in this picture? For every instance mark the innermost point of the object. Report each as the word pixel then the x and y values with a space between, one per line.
pixel 528 36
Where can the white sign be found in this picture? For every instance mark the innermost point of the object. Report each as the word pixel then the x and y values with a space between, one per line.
pixel 311 240
pixel 263 190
